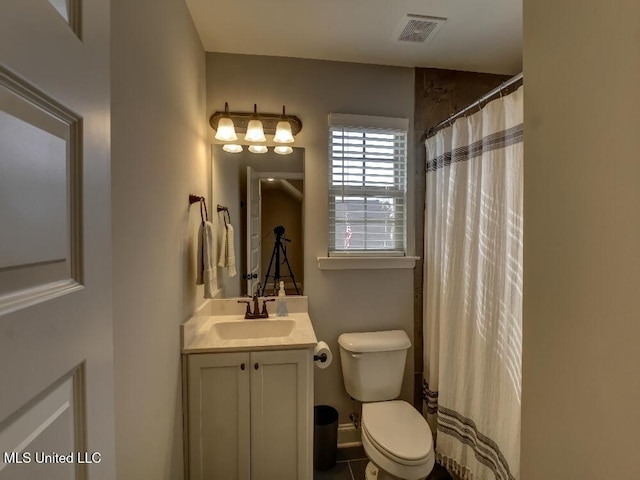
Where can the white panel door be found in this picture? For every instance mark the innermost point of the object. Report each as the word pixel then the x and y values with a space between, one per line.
pixel 56 343
pixel 253 230
pixel 281 415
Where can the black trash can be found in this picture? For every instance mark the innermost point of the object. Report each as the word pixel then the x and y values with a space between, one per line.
pixel 325 437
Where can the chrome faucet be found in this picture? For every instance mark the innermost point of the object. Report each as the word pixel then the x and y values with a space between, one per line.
pixel 255 298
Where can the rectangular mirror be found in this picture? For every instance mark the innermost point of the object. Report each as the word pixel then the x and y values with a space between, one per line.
pixel 264 194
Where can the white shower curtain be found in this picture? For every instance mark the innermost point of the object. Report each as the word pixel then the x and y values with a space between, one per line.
pixel 473 300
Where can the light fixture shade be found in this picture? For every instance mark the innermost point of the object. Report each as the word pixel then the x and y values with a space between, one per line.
pixel 226 130
pixel 283 132
pixel 232 148
pixel 255 133
pixel 258 149
pixel 283 150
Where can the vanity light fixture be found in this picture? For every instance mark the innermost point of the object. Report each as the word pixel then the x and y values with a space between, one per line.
pixel 257 149
pixel 279 128
pixel 255 132
pixel 226 130
pixel 232 148
pixel 283 130
pixel 283 150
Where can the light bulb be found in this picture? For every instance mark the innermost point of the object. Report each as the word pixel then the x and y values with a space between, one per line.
pixel 283 132
pixel 255 133
pixel 232 148
pixel 282 150
pixel 258 149
pixel 226 130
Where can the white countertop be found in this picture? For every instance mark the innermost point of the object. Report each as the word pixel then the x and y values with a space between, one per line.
pixel 200 335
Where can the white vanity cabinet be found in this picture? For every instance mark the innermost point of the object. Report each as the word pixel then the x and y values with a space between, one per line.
pixel 250 415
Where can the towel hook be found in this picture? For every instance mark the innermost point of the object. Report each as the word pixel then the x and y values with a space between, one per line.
pixel 204 215
pixel 226 216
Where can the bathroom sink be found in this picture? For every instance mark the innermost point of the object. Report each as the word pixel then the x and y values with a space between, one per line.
pixel 221 327
pixel 254 329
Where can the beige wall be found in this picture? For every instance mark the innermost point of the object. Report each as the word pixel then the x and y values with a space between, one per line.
pixel 339 301
pixel 581 387
pixel 158 158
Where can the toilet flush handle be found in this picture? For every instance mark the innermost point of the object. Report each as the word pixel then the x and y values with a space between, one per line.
pixel 356 355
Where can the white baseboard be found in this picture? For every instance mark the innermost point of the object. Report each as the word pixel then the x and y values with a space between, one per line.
pixel 348 436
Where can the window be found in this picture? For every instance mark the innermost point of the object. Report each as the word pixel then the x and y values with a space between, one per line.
pixel 367 185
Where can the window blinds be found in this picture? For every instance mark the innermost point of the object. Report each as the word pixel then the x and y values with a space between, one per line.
pixel 367 186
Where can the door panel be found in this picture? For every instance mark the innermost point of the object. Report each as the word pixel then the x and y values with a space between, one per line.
pixel 281 402
pixel 219 422
pixel 50 423
pixel 253 229
pixel 56 329
pixel 40 172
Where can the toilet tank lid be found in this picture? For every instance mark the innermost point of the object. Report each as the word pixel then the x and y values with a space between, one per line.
pixel 363 342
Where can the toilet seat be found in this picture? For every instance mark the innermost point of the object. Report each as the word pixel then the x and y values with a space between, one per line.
pixel 398 431
pixel 366 438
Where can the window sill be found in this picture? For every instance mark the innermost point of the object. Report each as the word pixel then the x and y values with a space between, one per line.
pixel 366 263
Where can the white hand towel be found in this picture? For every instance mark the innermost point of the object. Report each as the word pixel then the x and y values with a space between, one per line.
pixel 223 248
pixel 228 251
pixel 231 252
pixel 207 271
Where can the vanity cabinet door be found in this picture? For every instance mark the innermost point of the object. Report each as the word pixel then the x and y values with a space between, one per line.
pixel 281 415
pixel 219 416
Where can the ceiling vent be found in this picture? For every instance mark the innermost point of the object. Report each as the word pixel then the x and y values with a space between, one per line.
pixel 419 28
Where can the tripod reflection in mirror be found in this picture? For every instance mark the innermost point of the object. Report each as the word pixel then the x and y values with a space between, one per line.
pixel 278 260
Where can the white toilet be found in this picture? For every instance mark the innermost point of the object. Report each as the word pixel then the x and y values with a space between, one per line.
pixel 395 436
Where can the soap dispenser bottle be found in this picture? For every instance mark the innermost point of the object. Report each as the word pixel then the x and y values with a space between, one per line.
pixel 282 302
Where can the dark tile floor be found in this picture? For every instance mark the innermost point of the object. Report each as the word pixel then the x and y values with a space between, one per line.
pixel 351 463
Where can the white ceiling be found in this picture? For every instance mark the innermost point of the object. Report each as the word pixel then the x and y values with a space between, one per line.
pixel 479 35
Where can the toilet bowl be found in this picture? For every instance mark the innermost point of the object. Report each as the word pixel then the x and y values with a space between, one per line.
pixel 395 436
pixel 397 440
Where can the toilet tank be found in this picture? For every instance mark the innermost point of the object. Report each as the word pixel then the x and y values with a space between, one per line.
pixel 373 364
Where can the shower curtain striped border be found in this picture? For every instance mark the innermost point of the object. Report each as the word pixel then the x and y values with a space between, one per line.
pixel 484 449
pixel 430 397
pixel 466 431
pixel 495 141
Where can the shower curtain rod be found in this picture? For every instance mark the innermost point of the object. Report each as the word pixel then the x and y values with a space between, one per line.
pixel 478 103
